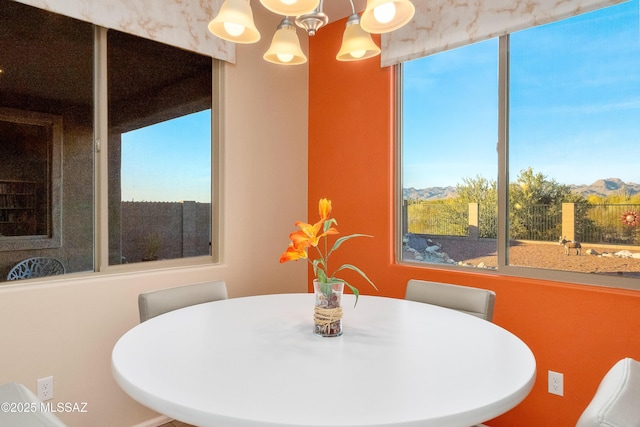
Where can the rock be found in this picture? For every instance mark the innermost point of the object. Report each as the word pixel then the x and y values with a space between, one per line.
pixel 416 242
pixel 624 254
pixel 432 249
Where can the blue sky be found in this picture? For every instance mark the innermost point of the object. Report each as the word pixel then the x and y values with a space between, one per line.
pixel 574 104
pixel 168 162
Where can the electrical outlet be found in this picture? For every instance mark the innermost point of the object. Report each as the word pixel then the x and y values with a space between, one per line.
pixel 45 388
pixel 556 383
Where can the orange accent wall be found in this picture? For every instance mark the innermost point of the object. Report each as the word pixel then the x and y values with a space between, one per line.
pixel 580 331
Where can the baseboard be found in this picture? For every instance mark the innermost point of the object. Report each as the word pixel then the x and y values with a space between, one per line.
pixel 155 422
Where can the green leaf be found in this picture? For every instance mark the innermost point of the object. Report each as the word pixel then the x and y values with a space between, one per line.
pixel 328 223
pixel 343 239
pixel 357 270
pixel 355 290
pixel 326 289
pixel 322 276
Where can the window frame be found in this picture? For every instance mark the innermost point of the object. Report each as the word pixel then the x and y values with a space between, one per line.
pixel 504 269
pixel 32 245
pixel 101 181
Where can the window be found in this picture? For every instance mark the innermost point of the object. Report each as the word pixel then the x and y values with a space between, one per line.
pixel 160 151
pixel 450 110
pixel 144 146
pixel 47 150
pixel 568 151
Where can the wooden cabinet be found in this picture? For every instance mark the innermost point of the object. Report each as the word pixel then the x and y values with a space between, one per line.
pixel 17 208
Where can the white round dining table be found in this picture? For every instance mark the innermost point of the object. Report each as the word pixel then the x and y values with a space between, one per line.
pixel 255 362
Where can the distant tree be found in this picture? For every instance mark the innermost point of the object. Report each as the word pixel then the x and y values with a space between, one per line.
pixel 484 192
pixel 535 206
pixel 478 190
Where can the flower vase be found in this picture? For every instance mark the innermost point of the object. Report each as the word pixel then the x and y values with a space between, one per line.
pixel 327 315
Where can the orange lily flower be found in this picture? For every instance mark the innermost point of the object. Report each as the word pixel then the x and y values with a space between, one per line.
pixel 324 206
pixel 309 233
pixel 292 254
pixel 302 239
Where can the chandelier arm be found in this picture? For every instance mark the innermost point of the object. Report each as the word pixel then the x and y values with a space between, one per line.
pixel 353 7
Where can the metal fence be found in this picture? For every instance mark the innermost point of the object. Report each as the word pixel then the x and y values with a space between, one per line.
pixel 537 222
pixel 602 223
pixel 605 224
pixel 436 219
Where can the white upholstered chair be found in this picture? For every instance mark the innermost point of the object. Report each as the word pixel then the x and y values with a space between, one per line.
pixel 22 397
pixel 155 303
pixel 617 400
pixel 474 301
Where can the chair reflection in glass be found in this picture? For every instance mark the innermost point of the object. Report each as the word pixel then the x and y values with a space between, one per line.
pixel 36 267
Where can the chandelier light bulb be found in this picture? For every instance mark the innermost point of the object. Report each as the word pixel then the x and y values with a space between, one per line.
pixel 356 43
pixel 234 22
pixel 385 12
pixel 383 16
pixel 285 46
pixel 290 7
pixel 234 30
pixel 285 57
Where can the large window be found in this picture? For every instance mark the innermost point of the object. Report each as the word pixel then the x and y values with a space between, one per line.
pixel 561 194
pixel 160 151
pixel 105 145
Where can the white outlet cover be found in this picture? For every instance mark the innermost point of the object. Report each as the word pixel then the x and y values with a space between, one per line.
pixel 45 388
pixel 556 383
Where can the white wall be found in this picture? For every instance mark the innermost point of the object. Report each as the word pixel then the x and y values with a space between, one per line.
pixel 67 327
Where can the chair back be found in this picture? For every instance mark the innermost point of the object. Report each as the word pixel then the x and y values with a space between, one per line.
pixel 474 301
pixel 617 399
pixel 155 303
pixel 36 267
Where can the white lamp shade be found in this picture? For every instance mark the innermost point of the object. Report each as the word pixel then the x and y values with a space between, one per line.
pixel 401 12
pixel 290 7
pixel 234 22
pixel 285 47
pixel 356 44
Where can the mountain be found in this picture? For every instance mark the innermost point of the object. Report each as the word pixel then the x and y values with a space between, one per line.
pixel 432 193
pixel 607 187
pixel 602 187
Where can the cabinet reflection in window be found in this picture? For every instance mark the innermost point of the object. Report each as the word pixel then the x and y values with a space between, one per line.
pixel 30 170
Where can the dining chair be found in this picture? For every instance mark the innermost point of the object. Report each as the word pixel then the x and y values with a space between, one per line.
pixel 617 399
pixel 17 396
pixel 474 301
pixel 155 303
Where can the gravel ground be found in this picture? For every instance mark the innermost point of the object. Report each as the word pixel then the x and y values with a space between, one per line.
pixel 540 255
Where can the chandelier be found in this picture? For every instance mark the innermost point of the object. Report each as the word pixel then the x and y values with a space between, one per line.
pixel 234 23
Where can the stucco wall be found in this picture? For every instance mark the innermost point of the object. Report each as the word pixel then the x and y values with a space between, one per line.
pixel 67 327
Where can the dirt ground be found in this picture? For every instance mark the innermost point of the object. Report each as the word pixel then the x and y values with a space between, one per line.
pixel 542 255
